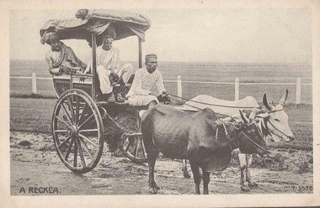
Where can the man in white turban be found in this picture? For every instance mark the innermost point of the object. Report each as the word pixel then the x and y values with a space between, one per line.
pixel 108 67
pixel 61 59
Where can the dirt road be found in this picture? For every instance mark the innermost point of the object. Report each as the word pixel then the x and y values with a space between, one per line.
pixel 37 170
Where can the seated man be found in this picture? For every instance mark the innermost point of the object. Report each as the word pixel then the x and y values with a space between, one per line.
pixel 145 78
pixel 108 69
pixel 61 59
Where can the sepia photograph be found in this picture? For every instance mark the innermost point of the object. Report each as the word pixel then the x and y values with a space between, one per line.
pixel 129 101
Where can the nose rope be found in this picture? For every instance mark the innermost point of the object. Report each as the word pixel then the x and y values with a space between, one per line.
pixel 253 141
pixel 278 129
pixel 247 137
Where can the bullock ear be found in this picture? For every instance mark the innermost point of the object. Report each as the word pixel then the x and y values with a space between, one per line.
pixel 265 101
pixel 284 98
pixel 245 120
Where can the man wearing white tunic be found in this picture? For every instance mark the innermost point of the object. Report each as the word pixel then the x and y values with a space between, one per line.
pixel 145 78
pixel 108 67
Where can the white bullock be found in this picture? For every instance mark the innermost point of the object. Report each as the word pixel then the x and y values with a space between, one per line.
pixel 272 122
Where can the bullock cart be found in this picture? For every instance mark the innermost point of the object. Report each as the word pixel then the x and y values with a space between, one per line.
pixel 81 121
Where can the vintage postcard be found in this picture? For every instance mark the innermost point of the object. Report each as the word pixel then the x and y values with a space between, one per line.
pixel 152 104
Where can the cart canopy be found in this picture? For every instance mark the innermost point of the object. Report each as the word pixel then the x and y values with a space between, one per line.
pixel 88 22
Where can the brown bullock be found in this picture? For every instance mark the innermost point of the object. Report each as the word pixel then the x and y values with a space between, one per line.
pixel 199 137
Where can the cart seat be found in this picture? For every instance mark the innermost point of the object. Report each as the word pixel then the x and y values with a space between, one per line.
pixel 62 83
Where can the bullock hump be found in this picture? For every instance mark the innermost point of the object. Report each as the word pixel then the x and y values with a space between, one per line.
pixel 206 101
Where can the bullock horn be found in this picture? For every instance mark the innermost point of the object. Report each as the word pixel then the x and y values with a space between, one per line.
pixel 284 98
pixel 265 101
pixel 245 120
pixel 253 114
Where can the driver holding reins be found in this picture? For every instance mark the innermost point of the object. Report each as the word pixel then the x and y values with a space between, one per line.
pixel 145 78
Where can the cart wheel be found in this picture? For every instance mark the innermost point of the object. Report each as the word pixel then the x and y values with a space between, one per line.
pixel 133 148
pixel 77 130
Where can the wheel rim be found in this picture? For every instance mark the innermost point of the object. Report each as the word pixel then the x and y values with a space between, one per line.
pixel 134 149
pixel 77 131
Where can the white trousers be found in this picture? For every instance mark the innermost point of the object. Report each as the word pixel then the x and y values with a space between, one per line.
pixel 141 100
pixel 103 74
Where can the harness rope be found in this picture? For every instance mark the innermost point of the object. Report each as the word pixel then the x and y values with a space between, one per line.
pixel 220 122
pixel 186 104
pixel 266 120
pixel 277 129
pixel 228 106
pixel 253 141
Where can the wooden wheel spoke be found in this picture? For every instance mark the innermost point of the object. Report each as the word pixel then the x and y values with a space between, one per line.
pixel 68 125
pixel 69 149
pixel 83 112
pixel 87 139
pixel 75 155
pixel 85 147
pixel 81 154
pixel 70 102
pixel 85 121
pixel 65 141
pixel 88 130
pixel 143 148
pixel 136 148
pixel 77 109
pixel 65 110
pixel 61 131
pixel 127 147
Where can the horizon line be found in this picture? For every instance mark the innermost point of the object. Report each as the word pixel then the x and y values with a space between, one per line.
pixel 211 62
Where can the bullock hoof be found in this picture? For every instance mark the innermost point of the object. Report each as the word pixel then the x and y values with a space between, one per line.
pixel 245 188
pixel 153 188
pixel 253 185
pixel 186 174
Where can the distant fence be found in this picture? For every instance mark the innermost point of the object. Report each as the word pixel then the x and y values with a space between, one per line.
pixel 179 82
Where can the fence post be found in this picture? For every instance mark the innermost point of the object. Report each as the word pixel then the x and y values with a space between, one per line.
pixel 298 91
pixel 34 83
pixel 179 86
pixel 236 89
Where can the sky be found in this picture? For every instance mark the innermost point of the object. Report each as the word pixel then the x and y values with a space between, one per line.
pixel 242 35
